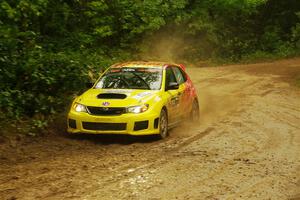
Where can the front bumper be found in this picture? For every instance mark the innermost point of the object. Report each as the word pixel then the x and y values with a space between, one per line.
pixel 133 124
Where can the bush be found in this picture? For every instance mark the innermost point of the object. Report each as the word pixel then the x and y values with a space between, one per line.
pixel 43 82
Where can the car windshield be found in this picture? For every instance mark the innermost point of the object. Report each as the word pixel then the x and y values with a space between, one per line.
pixel 131 78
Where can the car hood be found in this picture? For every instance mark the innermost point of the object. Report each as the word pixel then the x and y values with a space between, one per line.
pixel 115 97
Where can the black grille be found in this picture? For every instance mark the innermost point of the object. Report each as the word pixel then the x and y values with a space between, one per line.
pixel 72 123
pixel 105 110
pixel 140 125
pixel 104 126
pixel 111 96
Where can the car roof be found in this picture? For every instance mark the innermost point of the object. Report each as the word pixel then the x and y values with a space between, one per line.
pixel 142 64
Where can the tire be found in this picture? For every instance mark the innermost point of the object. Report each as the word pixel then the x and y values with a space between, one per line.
pixel 195 114
pixel 163 124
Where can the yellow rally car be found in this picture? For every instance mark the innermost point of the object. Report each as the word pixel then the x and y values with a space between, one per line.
pixel 135 98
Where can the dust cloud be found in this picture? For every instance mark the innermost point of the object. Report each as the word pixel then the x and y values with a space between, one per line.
pixel 214 106
pixel 162 47
pixel 217 99
pixel 174 44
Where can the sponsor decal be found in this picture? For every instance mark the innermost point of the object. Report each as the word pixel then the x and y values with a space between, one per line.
pixel 128 69
pixel 141 95
pixel 117 91
pixel 157 99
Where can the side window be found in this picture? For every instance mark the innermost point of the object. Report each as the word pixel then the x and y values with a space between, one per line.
pixel 183 74
pixel 179 75
pixel 170 77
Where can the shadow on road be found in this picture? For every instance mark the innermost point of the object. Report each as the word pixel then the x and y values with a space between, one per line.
pixel 108 139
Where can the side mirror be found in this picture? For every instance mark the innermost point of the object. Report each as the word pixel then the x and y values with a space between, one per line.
pixel 172 86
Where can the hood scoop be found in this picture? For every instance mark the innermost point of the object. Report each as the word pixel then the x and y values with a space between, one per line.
pixel 111 96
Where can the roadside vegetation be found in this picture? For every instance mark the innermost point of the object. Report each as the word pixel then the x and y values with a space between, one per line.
pixel 49 49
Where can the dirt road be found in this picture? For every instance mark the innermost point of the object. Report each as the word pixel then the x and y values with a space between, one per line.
pixel 246 146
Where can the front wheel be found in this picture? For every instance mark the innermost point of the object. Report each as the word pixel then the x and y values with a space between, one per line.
pixel 163 124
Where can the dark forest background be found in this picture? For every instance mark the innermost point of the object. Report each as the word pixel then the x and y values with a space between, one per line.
pixel 49 49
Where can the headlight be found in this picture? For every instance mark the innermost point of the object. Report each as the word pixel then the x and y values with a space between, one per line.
pixel 79 107
pixel 138 109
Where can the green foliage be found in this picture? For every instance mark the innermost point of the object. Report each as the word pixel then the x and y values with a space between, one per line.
pixel 296 33
pixel 50 49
